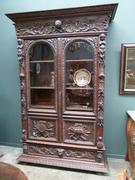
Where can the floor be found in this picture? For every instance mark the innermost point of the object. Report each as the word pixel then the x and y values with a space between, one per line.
pixel 44 173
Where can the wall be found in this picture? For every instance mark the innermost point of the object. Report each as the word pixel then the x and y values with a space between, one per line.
pixel 120 31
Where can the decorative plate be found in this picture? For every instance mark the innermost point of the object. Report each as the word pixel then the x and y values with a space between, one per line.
pixel 82 77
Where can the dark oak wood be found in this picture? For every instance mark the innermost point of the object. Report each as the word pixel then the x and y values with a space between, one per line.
pixel 107 9
pixel 63 122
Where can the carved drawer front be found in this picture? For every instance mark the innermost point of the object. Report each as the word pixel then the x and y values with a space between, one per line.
pixel 42 128
pixel 79 132
pixel 62 152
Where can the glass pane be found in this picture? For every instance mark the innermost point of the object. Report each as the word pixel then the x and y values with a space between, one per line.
pixel 42 76
pixel 79 76
pixel 41 51
pixel 42 97
pixel 79 50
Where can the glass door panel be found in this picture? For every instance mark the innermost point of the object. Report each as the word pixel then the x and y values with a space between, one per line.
pixel 79 76
pixel 42 76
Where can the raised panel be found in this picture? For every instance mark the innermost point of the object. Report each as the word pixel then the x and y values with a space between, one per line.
pixel 42 128
pixel 79 132
pixel 62 152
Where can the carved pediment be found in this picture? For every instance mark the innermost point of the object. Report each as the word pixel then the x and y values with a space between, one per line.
pixel 84 19
pixel 80 24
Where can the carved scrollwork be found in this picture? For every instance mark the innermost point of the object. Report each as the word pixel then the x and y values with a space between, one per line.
pixel 53 42
pixel 80 24
pixel 61 152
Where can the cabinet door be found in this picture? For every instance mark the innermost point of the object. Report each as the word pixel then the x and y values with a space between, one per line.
pixel 79 75
pixel 42 75
pixel 79 90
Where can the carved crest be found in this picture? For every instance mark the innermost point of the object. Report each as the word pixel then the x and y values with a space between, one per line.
pixel 80 24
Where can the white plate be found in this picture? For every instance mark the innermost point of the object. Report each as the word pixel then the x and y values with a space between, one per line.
pixel 82 77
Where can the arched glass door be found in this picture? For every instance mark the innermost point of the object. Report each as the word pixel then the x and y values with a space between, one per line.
pixel 79 58
pixel 42 76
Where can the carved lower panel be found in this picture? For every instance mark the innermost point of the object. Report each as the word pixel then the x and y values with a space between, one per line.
pixel 64 153
pixel 41 129
pixel 79 133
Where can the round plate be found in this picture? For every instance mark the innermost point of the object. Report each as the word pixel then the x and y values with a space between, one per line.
pixel 82 77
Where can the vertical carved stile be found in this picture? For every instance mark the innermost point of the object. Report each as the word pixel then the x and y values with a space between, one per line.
pixel 101 77
pixel 22 76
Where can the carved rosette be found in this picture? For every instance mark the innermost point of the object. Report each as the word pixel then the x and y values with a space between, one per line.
pixel 44 129
pixel 80 24
pixel 62 152
pixel 78 132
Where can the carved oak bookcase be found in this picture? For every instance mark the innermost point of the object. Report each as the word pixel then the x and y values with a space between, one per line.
pixel 61 55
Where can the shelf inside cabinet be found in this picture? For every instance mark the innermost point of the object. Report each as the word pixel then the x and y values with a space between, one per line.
pixel 41 87
pixel 79 107
pixel 42 107
pixel 43 61
pixel 79 88
pixel 79 60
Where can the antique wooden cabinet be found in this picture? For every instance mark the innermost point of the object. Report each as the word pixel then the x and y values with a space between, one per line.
pixel 61 55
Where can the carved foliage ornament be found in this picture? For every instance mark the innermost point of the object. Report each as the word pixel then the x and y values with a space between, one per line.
pixel 101 75
pixel 78 132
pixel 20 54
pixel 80 24
pixel 61 152
pixel 43 129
